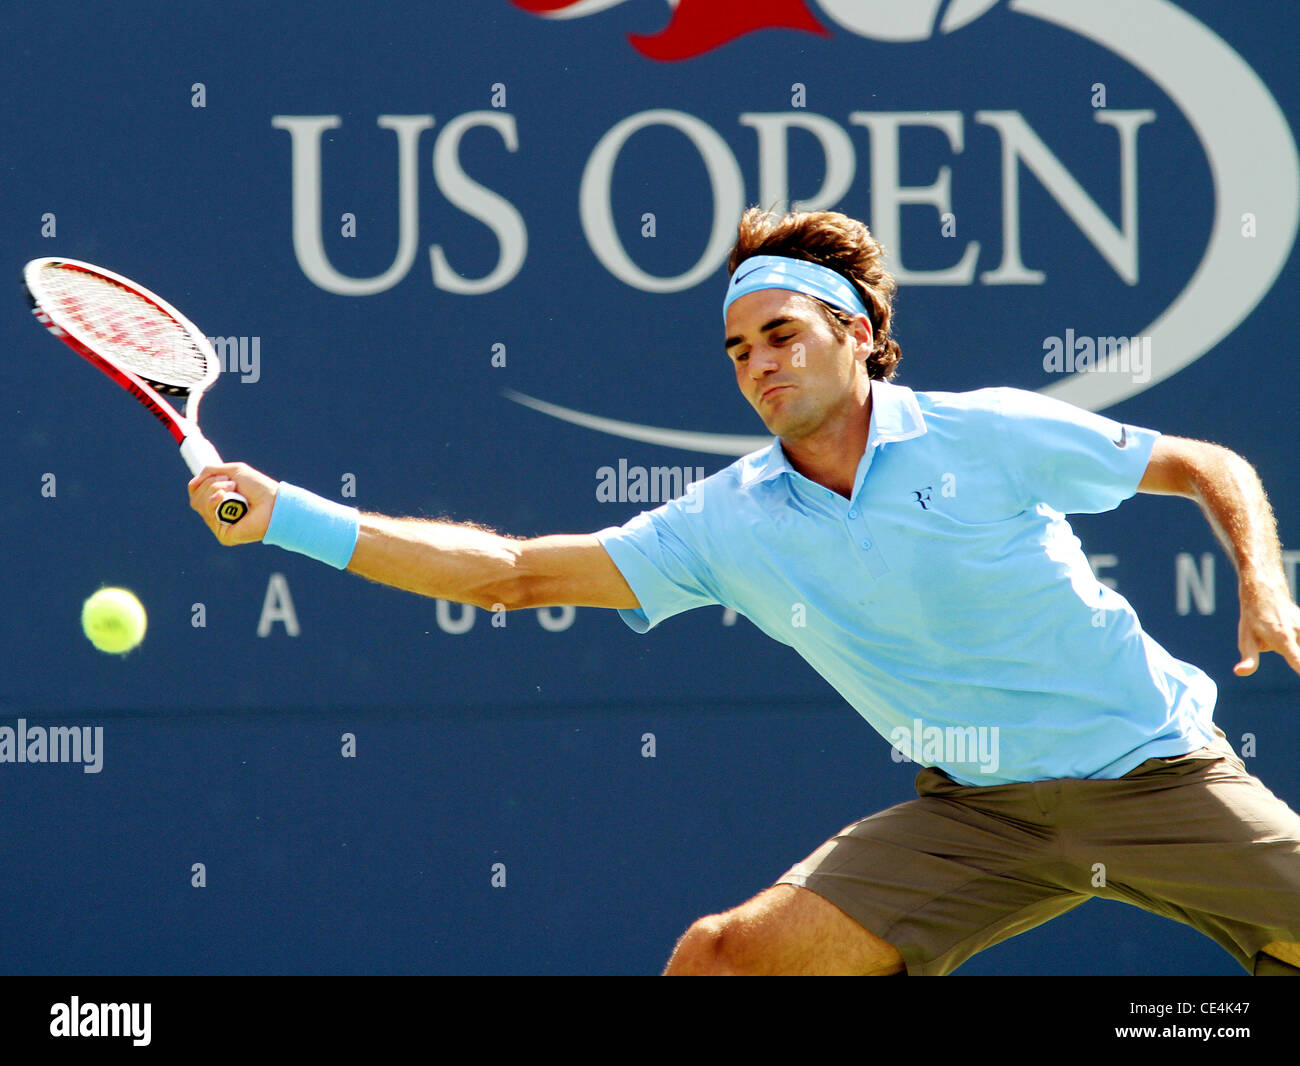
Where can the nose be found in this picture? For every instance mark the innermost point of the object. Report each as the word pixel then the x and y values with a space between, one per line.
pixel 763 360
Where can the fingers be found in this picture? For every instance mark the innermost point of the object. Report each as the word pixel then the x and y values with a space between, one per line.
pixel 229 470
pixel 1290 651
pixel 1254 638
pixel 1247 645
pixel 206 492
pixel 209 488
pixel 209 482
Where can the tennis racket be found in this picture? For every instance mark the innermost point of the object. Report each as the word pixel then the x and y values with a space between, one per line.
pixel 141 342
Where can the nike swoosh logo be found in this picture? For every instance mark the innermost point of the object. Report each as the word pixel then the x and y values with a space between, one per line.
pixel 1123 438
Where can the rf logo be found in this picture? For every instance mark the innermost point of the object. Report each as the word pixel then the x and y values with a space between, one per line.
pixel 923 497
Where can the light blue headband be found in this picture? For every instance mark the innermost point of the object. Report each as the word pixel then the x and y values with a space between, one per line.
pixel 797 275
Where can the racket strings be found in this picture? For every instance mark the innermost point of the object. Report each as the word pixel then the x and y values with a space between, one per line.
pixel 126 327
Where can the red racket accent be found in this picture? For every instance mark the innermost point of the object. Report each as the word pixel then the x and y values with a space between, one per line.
pixel 141 342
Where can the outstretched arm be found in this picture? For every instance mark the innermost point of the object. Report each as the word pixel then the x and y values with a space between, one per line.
pixel 465 563
pixel 1230 494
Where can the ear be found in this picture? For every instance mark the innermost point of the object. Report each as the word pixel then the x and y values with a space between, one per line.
pixel 862 333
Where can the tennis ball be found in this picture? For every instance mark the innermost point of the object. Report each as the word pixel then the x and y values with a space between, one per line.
pixel 114 620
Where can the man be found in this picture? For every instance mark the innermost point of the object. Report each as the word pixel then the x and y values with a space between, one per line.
pixel 913 548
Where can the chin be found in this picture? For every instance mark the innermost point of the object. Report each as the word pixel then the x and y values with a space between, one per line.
pixel 778 419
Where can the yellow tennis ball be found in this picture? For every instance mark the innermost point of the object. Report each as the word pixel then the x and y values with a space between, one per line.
pixel 114 620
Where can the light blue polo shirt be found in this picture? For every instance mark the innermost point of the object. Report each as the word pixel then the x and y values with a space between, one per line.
pixel 948 601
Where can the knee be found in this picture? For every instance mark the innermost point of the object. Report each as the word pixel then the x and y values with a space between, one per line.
pixel 707 948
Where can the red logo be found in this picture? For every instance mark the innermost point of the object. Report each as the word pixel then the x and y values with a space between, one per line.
pixel 699 26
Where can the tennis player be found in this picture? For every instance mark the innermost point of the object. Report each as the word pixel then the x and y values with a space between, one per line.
pixel 913 547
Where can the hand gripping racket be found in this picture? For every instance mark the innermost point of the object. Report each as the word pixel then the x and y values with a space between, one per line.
pixel 141 342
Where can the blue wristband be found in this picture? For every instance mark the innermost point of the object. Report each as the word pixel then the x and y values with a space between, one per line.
pixel 311 525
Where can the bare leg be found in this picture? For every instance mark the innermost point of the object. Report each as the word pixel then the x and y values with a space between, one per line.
pixel 783 930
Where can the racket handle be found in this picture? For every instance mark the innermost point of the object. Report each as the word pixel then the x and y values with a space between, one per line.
pixel 198 452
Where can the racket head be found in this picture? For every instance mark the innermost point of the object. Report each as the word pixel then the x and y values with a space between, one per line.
pixel 108 318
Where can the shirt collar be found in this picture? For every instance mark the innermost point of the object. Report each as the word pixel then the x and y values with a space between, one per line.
pixel 895 416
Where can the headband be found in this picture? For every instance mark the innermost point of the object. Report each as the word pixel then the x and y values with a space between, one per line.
pixel 797 275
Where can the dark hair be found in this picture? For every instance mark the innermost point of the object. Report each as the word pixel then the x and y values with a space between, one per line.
pixel 846 246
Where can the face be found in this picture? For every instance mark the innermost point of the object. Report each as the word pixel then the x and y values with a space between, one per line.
pixel 789 365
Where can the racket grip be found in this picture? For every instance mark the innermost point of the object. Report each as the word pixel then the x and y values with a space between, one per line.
pixel 198 452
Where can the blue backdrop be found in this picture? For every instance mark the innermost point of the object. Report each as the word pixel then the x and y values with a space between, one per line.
pixel 440 242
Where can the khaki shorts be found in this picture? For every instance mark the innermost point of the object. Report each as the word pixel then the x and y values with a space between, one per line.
pixel 1194 838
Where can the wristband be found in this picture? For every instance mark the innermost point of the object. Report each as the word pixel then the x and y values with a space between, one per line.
pixel 311 525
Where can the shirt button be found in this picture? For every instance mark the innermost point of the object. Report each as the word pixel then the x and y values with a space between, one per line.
pixel 866 544
pixel 853 514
